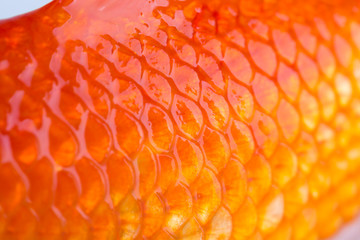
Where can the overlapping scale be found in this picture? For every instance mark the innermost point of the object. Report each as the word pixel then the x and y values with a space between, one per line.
pixel 177 119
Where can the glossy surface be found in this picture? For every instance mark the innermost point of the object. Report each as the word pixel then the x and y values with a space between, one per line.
pixel 180 120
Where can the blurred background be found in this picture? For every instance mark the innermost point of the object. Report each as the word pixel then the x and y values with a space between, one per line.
pixel 10 8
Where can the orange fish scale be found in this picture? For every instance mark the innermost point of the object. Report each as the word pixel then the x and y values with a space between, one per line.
pixel 180 119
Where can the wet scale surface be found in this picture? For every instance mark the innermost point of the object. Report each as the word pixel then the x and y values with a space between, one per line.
pixel 180 120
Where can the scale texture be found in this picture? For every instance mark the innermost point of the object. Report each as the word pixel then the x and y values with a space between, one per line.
pixel 178 119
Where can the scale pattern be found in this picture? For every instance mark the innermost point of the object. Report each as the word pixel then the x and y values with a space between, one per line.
pixel 180 120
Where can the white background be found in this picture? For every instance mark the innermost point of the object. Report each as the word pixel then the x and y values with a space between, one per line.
pixel 10 8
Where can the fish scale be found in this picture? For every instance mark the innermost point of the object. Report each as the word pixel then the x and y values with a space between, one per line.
pixel 179 119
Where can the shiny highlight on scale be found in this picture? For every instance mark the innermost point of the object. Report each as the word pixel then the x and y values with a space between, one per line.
pixel 180 119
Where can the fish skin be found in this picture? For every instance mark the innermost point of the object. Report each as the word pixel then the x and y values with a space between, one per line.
pixel 167 119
